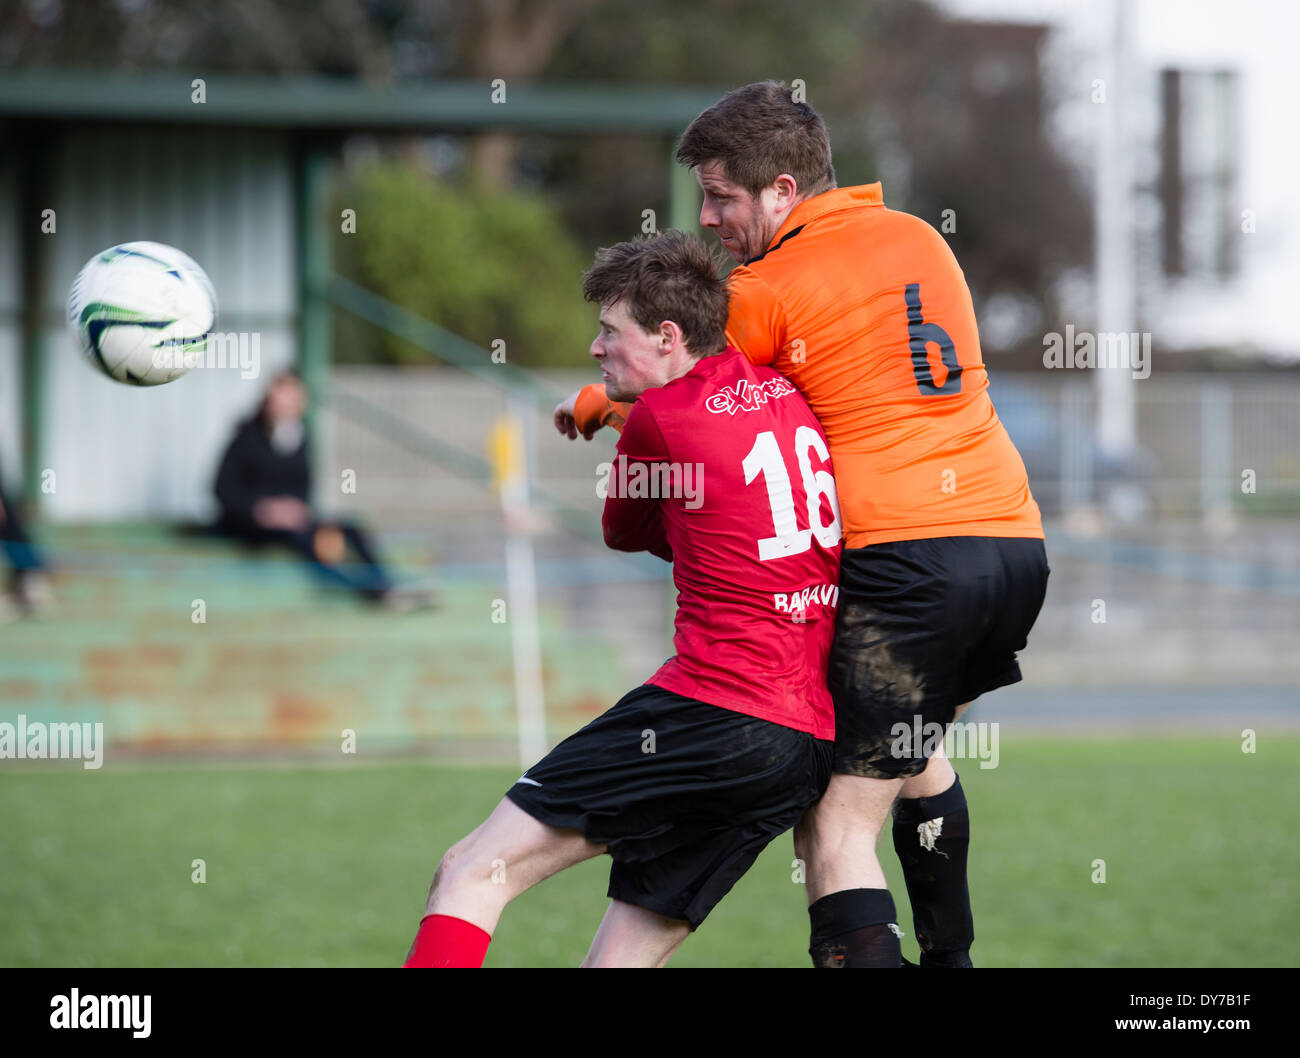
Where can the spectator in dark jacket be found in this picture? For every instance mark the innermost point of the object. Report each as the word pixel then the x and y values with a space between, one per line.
pixel 262 489
pixel 28 590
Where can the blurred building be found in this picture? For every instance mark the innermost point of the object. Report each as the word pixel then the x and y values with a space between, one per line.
pixel 1207 94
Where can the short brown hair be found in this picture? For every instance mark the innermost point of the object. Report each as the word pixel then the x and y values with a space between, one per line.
pixel 672 276
pixel 759 132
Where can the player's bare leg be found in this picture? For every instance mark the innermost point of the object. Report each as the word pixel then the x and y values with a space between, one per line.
pixel 931 837
pixel 506 855
pixel 938 775
pixel 936 778
pixel 852 913
pixel 633 936
pixel 839 834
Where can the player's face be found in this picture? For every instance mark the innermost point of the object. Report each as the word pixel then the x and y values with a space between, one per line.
pixel 745 223
pixel 631 360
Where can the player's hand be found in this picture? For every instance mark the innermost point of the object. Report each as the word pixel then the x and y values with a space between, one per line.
pixel 566 423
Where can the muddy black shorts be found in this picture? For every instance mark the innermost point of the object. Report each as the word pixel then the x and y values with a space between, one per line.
pixel 685 795
pixel 922 627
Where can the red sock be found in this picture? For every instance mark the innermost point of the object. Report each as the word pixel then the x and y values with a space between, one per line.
pixel 447 942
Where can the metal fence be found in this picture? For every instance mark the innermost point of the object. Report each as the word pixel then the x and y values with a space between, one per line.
pixel 1208 445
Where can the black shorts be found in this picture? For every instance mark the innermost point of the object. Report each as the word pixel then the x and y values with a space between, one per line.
pixel 922 627
pixel 685 795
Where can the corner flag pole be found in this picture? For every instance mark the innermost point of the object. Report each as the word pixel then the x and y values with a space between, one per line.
pixel 1115 253
pixel 510 463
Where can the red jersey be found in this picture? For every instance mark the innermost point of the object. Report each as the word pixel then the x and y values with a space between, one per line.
pixel 727 473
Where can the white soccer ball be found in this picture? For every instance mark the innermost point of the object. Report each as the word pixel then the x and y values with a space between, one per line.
pixel 143 312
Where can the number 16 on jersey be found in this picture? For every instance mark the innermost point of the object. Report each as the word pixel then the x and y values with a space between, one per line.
pixel 767 459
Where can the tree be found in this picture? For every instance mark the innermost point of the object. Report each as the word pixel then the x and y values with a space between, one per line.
pixel 487 265
pixel 512 40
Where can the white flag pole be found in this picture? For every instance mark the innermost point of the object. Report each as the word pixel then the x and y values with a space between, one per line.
pixel 509 451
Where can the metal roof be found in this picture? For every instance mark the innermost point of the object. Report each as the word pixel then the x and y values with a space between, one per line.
pixel 341 104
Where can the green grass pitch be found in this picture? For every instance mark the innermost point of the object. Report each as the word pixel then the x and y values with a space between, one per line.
pixel 328 866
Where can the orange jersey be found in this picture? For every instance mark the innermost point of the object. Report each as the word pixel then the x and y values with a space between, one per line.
pixel 866 311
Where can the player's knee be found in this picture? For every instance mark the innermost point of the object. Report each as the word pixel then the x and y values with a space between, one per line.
pixel 439 883
pixel 937 776
pixel 823 828
pixel 452 873
pixel 852 810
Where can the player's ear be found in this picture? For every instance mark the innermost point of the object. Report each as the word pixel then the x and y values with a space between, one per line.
pixel 787 190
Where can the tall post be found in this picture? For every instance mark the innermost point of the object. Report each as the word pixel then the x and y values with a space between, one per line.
pixel 1216 452
pixel 1115 263
pixel 683 194
pixel 314 331
pixel 34 183
pixel 511 446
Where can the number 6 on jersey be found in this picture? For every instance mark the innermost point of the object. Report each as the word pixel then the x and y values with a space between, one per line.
pixel 765 458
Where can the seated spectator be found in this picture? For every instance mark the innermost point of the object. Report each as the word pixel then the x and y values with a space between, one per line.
pixel 28 587
pixel 262 489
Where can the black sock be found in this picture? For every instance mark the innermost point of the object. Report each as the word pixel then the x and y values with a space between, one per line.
pixel 931 837
pixel 855 929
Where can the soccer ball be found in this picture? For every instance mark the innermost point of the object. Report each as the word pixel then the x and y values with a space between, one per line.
pixel 142 312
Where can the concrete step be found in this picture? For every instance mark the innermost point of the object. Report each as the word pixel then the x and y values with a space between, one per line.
pixel 275 660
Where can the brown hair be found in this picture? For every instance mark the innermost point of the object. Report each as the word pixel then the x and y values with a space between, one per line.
pixel 289 374
pixel 672 276
pixel 759 132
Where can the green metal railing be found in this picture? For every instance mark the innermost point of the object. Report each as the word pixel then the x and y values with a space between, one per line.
pixel 440 343
pixel 447 347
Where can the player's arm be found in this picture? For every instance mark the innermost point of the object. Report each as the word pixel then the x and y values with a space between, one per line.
pixel 587 411
pixel 636 524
